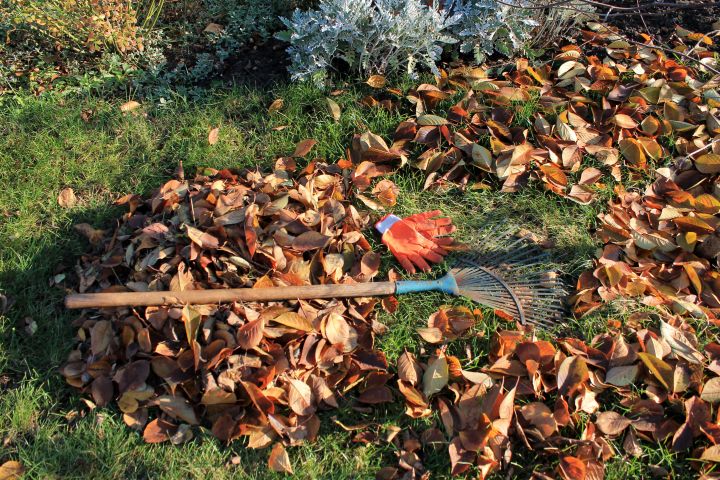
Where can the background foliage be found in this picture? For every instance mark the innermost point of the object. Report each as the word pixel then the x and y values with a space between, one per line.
pixel 159 48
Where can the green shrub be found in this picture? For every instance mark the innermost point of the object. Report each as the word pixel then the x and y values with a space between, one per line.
pixel 84 26
pixel 45 41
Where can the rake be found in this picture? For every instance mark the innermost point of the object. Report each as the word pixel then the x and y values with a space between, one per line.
pixel 508 273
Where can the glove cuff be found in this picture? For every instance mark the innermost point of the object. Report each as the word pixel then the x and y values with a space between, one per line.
pixel 386 223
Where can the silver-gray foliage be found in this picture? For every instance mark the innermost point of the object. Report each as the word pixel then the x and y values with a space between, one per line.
pixel 371 36
pixel 378 36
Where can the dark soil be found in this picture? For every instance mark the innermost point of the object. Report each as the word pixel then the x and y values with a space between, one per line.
pixel 660 21
pixel 259 64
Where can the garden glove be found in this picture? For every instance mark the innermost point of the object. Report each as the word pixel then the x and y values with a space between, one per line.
pixel 407 245
pixel 435 229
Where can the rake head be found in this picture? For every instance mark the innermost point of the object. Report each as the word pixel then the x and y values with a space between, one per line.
pixel 509 273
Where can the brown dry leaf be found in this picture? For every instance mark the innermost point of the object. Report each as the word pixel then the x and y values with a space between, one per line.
pixel 409 369
pixel 581 194
pixel 303 147
pixel 612 423
pixel 101 336
pixel 177 407
pixel 711 454
pixel 293 320
pixel 680 344
pixel 66 198
pixel 300 397
pixel 94 236
pixel 158 431
pixel 711 391
pixel 622 376
pixel 250 335
pixel 431 334
pixel 311 240
pixel 571 375
pixel 540 416
pixel 279 461
pixel 340 333
pixel 214 136
pixel 590 176
pixel 376 81
pixel 11 470
pixel 202 239
pixel 214 28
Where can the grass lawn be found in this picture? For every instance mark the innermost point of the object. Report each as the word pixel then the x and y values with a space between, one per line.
pixel 46 145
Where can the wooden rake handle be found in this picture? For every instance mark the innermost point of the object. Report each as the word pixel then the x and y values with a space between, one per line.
pixel 202 297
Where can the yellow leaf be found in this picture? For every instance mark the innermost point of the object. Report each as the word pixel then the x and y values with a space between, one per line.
pixel 708 163
pixel 129 106
pixel 661 370
pixel 333 108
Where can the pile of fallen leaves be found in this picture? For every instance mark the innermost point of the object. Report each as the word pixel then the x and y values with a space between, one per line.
pixel 662 246
pixel 261 371
pixel 604 108
pixel 546 398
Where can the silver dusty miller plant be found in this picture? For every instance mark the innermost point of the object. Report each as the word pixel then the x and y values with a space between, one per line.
pixel 488 26
pixel 378 36
pixel 371 36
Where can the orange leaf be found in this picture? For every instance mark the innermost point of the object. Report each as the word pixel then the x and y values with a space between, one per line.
pixel 376 81
pixel 572 468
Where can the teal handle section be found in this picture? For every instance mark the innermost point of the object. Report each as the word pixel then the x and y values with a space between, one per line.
pixel 446 284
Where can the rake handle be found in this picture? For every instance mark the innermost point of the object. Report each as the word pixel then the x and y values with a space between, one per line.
pixel 445 284
pixel 202 297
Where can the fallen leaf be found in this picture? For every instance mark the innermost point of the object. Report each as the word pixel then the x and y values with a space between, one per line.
pixel 436 376
pixel 276 105
pixel 177 407
pixel 129 106
pixel 304 147
pixel 708 163
pixel 279 461
pixel 67 198
pixel 300 397
pixel 214 135
pixel 612 423
pixel 376 81
pixel 572 373
pixel 333 108
pixel 711 391
pixel 11 470
pixel 660 369
pixel 622 376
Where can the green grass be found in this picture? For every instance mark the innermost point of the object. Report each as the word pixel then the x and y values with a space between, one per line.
pixel 45 145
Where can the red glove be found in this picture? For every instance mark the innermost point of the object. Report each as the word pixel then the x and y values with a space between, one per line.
pixel 407 245
pixel 435 229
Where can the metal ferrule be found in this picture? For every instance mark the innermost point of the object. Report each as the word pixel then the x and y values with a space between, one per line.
pixel 446 284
